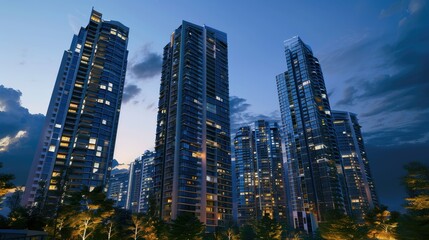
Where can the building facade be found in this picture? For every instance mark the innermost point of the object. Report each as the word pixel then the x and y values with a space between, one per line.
pixel 192 162
pixel 360 186
pixel 148 172
pixel 245 171
pixel 76 146
pixel 135 184
pixel 260 173
pixel 118 187
pixel 313 160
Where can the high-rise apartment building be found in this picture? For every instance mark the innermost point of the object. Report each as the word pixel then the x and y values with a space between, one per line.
pixel 259 173
pixel 140 182
pixel 118 187
pixel 192 162
pixel 245 171
pixel 78 139
pixel 313 160
pixel 361 195
pixel 148 172
pixel 134 185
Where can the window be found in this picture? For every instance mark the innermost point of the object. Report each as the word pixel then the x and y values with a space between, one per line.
pixel 103 86
pixel 58 125
pixel 107 102
pixel 104 122
pixel 52 148
pixel 92 140
pixel 65 139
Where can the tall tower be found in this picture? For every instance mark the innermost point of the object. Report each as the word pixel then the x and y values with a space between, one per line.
pixel 360 186
pixel 78 139
pixel 245 170
pixel 260 173
pixel 192 162
pixel 147 181
pixel 313 160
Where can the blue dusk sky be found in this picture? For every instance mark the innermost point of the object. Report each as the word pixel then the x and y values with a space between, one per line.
pixel 374 56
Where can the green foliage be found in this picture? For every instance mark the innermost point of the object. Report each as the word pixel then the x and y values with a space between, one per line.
pixel 268 228
pixel 247 232
pixel 381 223
pixel 341 227
pixel 415 224
pixel 186 227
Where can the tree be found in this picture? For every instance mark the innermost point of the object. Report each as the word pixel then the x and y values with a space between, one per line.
pixel 186 227
pixel 415 224
pixel 381 223
pixel 247 232
pixel 5 182
pixel 14 201
pixel 268 228
pixel 341 227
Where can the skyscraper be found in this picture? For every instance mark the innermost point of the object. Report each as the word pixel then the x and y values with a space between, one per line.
pixel 259 173
pixel 245 171
pixel 148 172
pixel 360 186
pixel 313 160
pixel 140 182
pixel 192 162
pixel 118 187
pixel 134 185
pixel 78 139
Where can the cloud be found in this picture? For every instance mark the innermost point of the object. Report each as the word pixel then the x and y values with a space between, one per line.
pixel 395 84
pixel 147 64
pixel 19 134
pixel 241 116
pixel 130 91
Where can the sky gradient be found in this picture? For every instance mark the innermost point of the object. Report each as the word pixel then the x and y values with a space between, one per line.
pixel 373 54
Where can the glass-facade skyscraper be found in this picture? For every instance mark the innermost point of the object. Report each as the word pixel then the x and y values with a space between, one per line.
pixel 78 139
pixel 118 188
pixel 148 171
pixel 259 173
pixel 313 160
pixel 361 195
pixel 193 162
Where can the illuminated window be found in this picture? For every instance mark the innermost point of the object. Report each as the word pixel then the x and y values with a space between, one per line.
pixel 64 144
pixel 92 140
pixel 65 139
pixel 58 125
pixel 95 18
pixel 100 100
pixel 55 174
pixel 78 47
pixel 98 154
pixel 52 148
pixel 96 165
pixel 99 148
pixel 104 122
pixel 53 187
pixel 103 86
pixel 109 89
pixel 61 156
pixel 107 102
pixel 91 146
